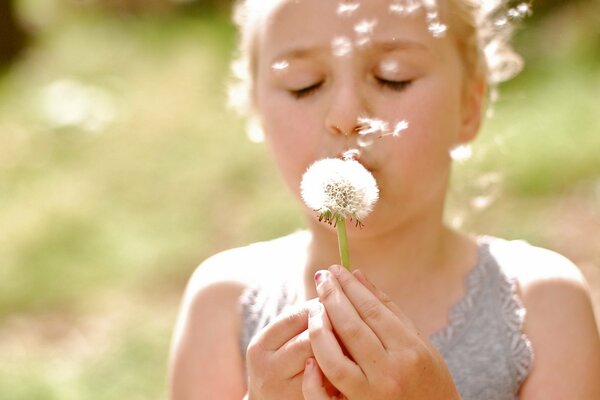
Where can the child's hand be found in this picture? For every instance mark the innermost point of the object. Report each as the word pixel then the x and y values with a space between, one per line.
pixel 276 357
pixel 387 356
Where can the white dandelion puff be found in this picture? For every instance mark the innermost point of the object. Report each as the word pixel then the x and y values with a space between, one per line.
pixel 337 189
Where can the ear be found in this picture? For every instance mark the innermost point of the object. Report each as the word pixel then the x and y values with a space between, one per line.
pixel 472 107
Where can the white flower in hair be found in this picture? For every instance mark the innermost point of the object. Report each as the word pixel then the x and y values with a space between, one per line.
pixel 339 189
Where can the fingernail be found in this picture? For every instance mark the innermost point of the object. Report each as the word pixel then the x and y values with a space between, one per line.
pixel 309 363
pixel 321 276
pixel 315 309
pixel 335 270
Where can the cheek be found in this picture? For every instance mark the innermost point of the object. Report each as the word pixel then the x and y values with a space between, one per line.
pixel 435 116
pixel 290 138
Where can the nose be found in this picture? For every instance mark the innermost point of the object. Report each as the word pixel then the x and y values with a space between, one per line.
pixel 345 107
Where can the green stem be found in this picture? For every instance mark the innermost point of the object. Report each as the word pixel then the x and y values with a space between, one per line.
pixel 343 242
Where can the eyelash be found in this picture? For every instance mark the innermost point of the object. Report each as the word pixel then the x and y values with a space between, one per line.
pixel 393 85
pixel 300 93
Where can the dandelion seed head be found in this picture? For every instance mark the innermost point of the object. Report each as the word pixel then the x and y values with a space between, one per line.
pixel 337 188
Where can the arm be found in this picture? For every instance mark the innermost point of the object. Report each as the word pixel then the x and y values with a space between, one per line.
pixel 205 357
pixel 560 324
pixel 205 361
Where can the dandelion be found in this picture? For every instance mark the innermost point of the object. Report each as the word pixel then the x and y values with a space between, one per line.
pixel 338 190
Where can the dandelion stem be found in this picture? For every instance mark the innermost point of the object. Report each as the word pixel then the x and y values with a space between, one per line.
pixel 343 242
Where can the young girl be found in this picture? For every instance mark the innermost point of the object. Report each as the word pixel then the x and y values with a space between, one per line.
pixel 429 312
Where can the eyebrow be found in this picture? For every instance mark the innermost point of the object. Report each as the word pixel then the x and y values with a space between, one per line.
pixel 387 45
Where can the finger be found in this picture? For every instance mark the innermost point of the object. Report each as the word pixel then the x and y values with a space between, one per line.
pixel 289 359
pixel 359 339
pixel 340 370
pixel 283 328
pixel 312 382
pixel 383 297
pixel 381 320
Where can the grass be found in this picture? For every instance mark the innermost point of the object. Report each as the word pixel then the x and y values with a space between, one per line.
pixel 102 222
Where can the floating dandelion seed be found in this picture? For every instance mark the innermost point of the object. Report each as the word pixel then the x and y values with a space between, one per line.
pixel 437 29
pixel 280 65
pixel 368 126
pixel 351 154
pixel 481 202
pixel 461 153
pixel 338 190
pixel 404 7
pixel 371 128
pixel 365 27
pixel 400 127
pixel 341 46
pixel 347 9
pixel 389 66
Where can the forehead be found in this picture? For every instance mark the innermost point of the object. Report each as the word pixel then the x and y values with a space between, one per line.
pixel 304 24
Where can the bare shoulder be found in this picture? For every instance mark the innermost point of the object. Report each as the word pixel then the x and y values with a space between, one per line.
pixel 205 359
pixel 248 265
pixel 559 322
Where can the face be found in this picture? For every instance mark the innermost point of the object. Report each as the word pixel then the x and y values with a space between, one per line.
pixel 319 71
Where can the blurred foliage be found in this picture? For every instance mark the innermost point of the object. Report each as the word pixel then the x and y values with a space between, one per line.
pixel 120 170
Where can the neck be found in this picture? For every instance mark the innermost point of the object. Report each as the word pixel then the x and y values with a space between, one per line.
pixel 407 256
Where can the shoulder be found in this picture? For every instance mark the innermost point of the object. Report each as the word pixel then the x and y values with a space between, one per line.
pixel 221 279
pixel 544 278
pixel 559 320
pixel 250 265
pixel 209 322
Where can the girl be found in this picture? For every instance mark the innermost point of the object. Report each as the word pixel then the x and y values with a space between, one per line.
pixel 431 313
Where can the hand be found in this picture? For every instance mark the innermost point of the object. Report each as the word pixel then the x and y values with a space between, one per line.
pixel 276 357
pixel 367 348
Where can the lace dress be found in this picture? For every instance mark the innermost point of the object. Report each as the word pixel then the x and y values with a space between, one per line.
pixel 483 345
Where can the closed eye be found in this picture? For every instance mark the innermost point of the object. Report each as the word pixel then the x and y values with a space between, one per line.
pixel 303 92
pixel 393 85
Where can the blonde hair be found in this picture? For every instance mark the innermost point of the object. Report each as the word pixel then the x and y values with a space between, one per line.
pixel 482 29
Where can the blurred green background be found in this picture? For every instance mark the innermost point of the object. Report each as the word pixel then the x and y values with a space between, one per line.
pixel 121 169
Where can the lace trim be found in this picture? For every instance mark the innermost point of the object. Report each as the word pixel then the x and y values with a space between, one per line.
pixel 462 311
pixel 514 317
